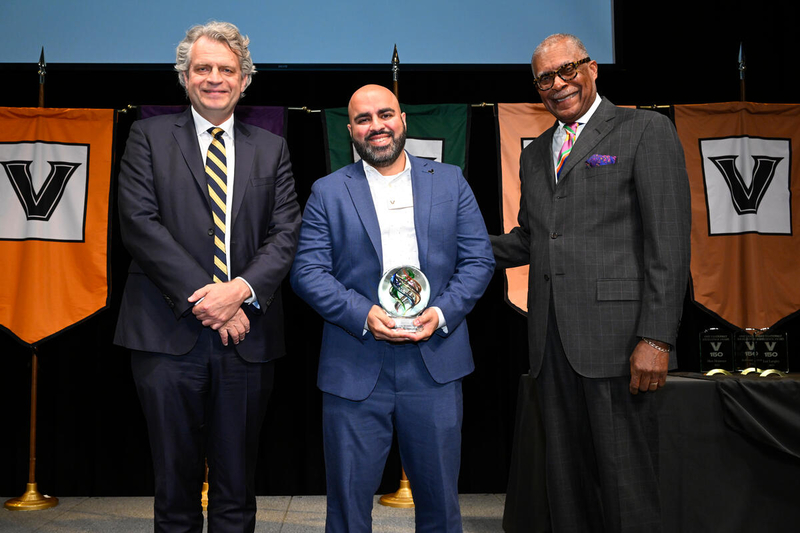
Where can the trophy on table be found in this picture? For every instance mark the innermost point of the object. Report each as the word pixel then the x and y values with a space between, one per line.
pixel 716 351
pixel 773 352
pixel 746 351
pixel 762 350
pixel 403 292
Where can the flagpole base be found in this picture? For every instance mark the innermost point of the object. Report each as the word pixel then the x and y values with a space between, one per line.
pixel 402 499
pixel 32 500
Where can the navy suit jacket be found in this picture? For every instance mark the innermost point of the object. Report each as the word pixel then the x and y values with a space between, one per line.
pixel 338 266
pixel 165 219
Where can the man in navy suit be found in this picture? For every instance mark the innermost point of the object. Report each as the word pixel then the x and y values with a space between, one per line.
pixel 388 210
pixel 201 310
pixel 604 225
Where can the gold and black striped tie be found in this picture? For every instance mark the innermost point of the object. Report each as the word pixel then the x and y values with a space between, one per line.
pixel 217 177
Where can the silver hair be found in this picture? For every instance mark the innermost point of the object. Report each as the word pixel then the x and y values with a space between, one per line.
pixel 223 32
pixel 555 38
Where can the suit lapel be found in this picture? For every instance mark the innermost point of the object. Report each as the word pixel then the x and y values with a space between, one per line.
pixel 594 131
pixel 245 152
pixel 422 176
pixel 546 154
pixel 358 188
pixel 186 137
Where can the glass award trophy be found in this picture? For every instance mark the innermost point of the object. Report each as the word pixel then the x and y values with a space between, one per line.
pixel 773 351
pixel 403 292
pixel 716 350
pixel 746 350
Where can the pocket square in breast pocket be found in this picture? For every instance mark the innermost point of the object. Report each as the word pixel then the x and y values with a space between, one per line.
pixel 598 160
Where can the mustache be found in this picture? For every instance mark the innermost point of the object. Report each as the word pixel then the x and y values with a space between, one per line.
pixel 376 133
pixel 566 91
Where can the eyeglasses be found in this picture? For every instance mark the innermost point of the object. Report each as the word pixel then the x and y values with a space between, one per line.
pixel 566 72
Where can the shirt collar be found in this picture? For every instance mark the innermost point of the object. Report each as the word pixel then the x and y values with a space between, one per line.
pixel 372 172
pixel 586 116
pixel 202 125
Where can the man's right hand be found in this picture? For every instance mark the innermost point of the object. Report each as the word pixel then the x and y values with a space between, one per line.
pixel 380 325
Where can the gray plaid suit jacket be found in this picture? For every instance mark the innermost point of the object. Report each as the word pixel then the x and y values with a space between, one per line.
pixel 609 242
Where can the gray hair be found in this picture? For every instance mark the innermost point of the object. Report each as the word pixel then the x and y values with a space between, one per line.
pixel 223 32
pixel 556 38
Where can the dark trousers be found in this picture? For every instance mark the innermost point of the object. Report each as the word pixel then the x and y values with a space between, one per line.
pixel 357 437
pixel 601 448
pixel 208 403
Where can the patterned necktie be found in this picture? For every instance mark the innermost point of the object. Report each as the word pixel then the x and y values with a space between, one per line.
pixel 566 148
pixel 217 177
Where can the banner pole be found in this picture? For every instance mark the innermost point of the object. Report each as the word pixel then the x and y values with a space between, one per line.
pixel 204 490
pixel 403 497
pixel 742 68
pixel 42 72
pixel 395 74
pixel 32 500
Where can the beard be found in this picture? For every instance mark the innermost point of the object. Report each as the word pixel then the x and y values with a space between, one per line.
pixel 381 156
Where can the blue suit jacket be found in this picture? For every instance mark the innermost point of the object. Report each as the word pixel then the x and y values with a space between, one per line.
pixel 338 266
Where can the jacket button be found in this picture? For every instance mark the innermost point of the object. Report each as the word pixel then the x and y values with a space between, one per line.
pixel 210 232
pixel 554 235
pixel 546 277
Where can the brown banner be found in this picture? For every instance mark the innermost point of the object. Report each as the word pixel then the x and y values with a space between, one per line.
pixel 518 124
pixel 745 252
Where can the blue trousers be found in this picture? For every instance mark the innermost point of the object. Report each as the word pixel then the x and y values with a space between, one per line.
pixel 358 435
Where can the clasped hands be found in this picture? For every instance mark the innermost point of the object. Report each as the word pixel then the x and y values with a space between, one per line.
pixel 380 324
pixel 219 306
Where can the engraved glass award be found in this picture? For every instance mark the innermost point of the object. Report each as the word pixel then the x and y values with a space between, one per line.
pixel 773 351
pixel 716 350
pixel 403 293
pixel 746 350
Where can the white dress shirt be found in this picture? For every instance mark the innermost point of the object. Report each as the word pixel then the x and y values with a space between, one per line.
pixel 560 134
pixel 204 139
pixel 393 197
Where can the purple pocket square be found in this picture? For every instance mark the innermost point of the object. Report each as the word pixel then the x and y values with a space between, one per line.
pixel 598 160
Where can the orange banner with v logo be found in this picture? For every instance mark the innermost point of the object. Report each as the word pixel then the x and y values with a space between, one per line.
pixel 744 178
pixel 55 183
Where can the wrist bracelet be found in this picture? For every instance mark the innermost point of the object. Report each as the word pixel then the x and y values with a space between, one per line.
pixel 656 346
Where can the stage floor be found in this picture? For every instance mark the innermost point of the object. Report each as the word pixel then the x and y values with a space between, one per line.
pixel 481 513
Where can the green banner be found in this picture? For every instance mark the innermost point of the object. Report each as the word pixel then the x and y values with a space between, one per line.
pixel 438 132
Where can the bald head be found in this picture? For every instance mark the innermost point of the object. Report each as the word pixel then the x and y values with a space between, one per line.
pixel 371 93
pixel 378 128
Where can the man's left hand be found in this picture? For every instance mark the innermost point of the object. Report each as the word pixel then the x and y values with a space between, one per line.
pixel 220 302
pixel 235 329
pixel 429 320
pixel 648 368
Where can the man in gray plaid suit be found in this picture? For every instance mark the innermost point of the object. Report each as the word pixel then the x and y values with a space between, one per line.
pixel 604 225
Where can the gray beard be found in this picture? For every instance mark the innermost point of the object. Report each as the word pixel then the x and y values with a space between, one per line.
pixel 384 156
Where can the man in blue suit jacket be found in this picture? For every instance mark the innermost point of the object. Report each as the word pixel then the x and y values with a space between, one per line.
pixel 202 351
pixel 388 210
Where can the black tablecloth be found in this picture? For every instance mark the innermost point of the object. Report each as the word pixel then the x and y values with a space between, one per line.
pixel 729 456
